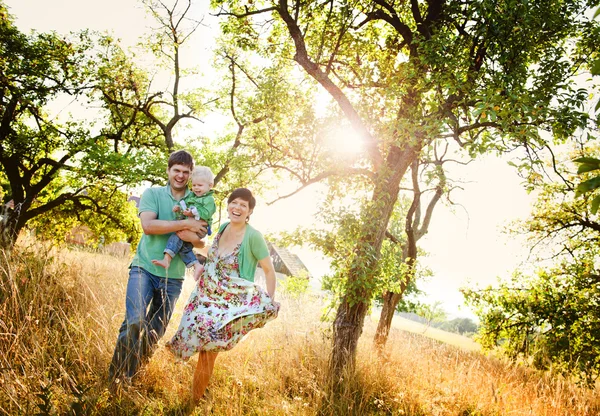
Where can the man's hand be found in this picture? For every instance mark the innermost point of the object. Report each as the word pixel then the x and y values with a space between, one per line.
pixel 196 226
pixel 191 237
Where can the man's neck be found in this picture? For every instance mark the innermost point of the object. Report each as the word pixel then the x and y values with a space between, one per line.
pixel 177 194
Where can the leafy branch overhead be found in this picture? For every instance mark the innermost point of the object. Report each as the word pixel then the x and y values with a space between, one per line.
pixel 488 76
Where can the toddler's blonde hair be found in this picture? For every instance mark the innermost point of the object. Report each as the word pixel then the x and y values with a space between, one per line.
pixel 204 172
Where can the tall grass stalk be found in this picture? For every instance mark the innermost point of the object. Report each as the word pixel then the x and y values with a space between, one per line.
pixel 59 315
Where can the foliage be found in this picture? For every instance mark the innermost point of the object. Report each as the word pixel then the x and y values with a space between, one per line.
pixel 55 165
pixel 463 326
pixel 591 164
pixel 336 239
pixel 295 286
pixel 550 316
pixel 432 312
pixel 59 223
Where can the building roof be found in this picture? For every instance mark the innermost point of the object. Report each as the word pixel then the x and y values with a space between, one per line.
pixel 135 199
pixel 286 262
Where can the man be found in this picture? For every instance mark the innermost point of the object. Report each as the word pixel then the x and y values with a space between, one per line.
pixel 152 291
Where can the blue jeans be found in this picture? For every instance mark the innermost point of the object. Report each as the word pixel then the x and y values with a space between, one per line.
pixel 148 308
pixel 176 245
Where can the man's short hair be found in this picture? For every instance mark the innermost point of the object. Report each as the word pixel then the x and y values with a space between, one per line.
pixel 181 157
pixel 204 172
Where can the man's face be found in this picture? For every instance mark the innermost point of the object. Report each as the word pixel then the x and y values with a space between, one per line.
pixel 178 177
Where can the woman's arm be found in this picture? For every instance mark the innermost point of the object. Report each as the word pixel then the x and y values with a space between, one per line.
pixel 267 265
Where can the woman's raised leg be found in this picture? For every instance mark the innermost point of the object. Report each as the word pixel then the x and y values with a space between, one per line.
pixel 204 369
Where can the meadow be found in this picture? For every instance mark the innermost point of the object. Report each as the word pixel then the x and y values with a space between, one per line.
pixel 59 314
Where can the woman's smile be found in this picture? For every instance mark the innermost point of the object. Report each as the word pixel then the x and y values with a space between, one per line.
pixel 238 209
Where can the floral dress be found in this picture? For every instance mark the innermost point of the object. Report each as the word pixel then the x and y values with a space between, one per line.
pixel 222 308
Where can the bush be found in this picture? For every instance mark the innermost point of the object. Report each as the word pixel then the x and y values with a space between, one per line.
pixel 295 286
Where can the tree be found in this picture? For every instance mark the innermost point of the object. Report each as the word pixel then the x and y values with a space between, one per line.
pixel 164 109
pixel 486 74
pixel 57 171
pixel 416 226
pixel 550 314
pixel 462 326
pixel 431 313
pixel 48 162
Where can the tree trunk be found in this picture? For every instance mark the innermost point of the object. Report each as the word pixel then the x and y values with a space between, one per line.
pixel 390 301
pixel 347 329
pixel 351 313
pixel 9 229
pixel 409 253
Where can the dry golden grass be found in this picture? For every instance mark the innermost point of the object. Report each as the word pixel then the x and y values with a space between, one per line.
pixel 59 315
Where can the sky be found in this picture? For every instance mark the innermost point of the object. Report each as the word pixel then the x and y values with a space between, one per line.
pixel 466 243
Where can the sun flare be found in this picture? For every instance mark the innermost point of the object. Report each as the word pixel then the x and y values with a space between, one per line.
pixel 344 139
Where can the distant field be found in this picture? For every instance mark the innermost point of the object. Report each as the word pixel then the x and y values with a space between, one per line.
pixel 404 324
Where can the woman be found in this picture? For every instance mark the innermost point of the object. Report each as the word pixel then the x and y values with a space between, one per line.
pixel 226 304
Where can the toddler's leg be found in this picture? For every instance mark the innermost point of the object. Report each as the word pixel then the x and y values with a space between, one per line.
pixel 173 246
pixel 165 262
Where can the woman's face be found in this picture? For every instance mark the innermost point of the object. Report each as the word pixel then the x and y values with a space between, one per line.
pixel 238 210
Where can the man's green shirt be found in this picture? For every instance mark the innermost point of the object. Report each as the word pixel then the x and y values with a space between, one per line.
pixel 160 201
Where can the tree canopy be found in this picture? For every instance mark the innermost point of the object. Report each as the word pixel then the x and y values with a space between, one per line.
pixel 487 75
pixel 52 160
pixel 549 313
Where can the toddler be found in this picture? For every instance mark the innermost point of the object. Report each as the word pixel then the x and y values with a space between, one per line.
pixel 199 204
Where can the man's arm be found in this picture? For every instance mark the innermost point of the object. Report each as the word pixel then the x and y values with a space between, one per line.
pixel 192 237
pixel 152 225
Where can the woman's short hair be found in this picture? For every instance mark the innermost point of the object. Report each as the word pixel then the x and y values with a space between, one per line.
pixel 245 195
pixel 204 172
pixel 181 157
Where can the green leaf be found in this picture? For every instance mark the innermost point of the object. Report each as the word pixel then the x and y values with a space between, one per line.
pixel 586 167
pixel 587 160
pixel 595 67
pixel 588 185
pixel 595 204
pixel 597 13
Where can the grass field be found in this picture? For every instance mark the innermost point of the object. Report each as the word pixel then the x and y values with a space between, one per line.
pixel 59 314
pixel 413 327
